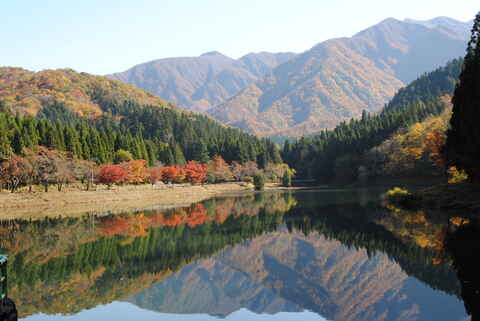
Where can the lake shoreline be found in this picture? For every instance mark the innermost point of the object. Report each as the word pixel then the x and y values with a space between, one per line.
pixel 75 202
pixel 457 199
pixel 454 197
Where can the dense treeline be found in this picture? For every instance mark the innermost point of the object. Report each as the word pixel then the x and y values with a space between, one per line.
pixel 463 138
pixel 150 133
pixel 338 152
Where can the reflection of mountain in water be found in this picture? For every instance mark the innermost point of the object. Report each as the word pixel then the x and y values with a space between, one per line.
pixel 334 253
pixel 211 287
pixel 289 272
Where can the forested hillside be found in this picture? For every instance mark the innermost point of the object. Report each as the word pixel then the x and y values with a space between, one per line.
pixel 339 153
pixel 91 117
pixel 28 92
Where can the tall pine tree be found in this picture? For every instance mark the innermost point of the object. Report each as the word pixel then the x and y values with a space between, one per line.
pixel 463 140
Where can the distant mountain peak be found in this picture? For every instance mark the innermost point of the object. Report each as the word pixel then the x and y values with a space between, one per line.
pixel 212 53
pixel 436 20
pixel 445 23
pixel 389 20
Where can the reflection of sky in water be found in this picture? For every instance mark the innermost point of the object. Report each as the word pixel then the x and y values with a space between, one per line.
pixel 127 312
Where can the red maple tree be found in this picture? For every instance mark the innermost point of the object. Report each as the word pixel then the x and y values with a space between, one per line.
pixel 111 174
pixel 195 172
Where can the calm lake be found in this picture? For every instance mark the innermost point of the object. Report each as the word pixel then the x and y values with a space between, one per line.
pixel 309 255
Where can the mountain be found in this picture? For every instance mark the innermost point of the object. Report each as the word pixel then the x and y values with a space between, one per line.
pixel 294 272
pixel 27 92
pixel 337 155
pixel 92 117
pixel 198 83
pixel 339 78
pixel 447 25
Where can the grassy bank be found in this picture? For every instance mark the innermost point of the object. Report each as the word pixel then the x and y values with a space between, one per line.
pixel 75 202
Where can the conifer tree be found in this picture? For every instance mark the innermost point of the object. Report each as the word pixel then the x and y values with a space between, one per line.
pixel 200 153
pixel 463 138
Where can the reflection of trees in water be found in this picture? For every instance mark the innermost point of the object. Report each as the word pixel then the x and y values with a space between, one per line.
pixel 8 310
pixel 357 227
pixel 463 244
pixel 94 253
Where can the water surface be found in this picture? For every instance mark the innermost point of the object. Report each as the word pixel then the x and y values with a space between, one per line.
pixel 319 255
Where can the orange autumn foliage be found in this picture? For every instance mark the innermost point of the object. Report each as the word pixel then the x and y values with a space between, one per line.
pixel 195 172
pixel 434 143
pixel 137 171
pixel 129 225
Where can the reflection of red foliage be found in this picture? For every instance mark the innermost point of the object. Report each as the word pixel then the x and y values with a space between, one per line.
pixel 197 215
pixel 138 224
pixel 170 218
pixel 192 216
pixel 126 225
pixel 114 225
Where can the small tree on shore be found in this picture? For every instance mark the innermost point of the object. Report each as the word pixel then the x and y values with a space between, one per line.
pixel 154 175
pixel 259 182
pixel 287 179
pixel 122 156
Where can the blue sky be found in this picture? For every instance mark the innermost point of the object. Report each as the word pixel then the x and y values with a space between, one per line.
pixel 105 36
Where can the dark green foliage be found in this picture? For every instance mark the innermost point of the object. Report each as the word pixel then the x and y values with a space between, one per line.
pixel 463 139
pixel 150 133
pixel 287 179
pixel 259 182
pixel 324 155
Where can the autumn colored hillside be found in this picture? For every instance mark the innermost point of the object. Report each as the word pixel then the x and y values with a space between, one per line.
pixel 28 92
pixel 339 78
pixel 199 83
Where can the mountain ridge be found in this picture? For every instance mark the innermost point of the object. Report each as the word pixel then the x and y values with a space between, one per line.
pixel 339 78
pixel 198 83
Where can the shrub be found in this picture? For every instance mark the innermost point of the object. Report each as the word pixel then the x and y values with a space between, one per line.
pixel 287 179
pixel 400 196
pixel 456 176
pixel 259 182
